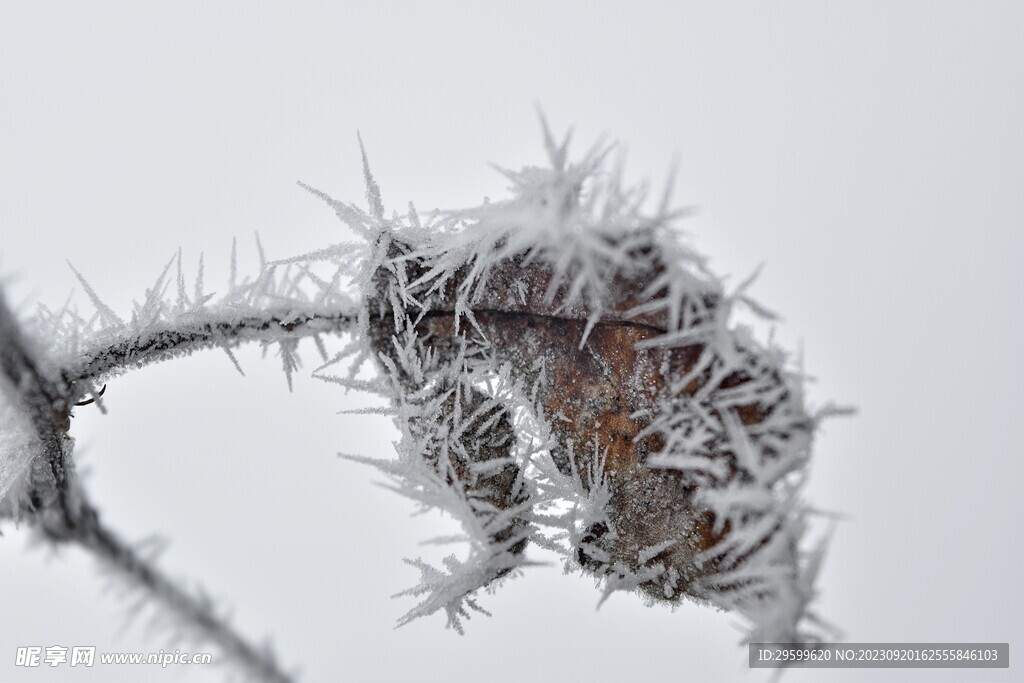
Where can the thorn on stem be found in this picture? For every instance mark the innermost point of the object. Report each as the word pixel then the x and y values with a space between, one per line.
pixel 87 402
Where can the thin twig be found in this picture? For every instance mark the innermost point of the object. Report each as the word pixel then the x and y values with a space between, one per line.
pixel 69 517
pixel 197 612
pixel 137 349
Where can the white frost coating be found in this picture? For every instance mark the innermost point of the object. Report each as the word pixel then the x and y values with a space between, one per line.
pixel 172 321
pixel 587 229
pixel 476 442
pixel 19 446
pixel 431 450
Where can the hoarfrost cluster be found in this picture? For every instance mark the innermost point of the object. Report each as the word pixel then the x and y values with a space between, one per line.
pixel 563 368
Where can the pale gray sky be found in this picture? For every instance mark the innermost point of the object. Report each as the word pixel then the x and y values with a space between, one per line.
pixel 870 153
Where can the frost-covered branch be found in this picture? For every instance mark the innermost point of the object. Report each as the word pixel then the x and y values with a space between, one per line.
pixel 118 353
pixel 565 372
pixel 194 615
pixel 280 306
pixel 32 395
pixel 46 368
pixel 29 383
pixel 53 501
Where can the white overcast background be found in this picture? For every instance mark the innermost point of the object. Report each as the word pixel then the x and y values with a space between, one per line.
pixel 871 154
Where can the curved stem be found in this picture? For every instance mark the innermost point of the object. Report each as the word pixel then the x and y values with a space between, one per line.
pixel 137 348
pixel 195 610
pixel 58 507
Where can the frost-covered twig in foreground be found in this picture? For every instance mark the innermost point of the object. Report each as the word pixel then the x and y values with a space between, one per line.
pixel 42 380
